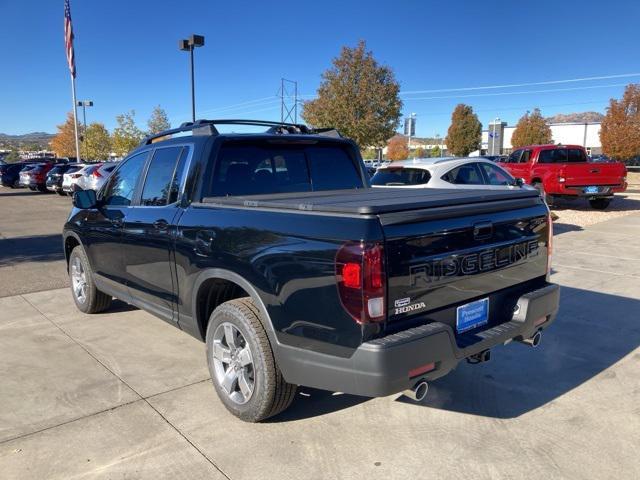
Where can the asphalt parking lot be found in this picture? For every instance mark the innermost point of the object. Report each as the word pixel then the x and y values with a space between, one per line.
pixel 124 395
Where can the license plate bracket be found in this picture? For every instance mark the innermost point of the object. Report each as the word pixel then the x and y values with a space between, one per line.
pixel 472 315
pixel 591 190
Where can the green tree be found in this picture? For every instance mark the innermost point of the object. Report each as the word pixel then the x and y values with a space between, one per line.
pixel 12 157
pixel 465 132
pixel 620 129
pixel 532 129
pixel 97 142
pixel 126 136
pixel 418 153
pixel 369 153
pixel 435 151
pixel 159 121
pixel 359 97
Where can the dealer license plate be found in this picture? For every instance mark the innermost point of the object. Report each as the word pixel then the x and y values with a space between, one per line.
pixel 472 315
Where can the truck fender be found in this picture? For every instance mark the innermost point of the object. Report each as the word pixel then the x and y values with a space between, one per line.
pixel 222 274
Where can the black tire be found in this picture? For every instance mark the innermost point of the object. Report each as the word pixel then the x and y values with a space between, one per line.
pixel 93 300
pixel 271 394
pixel 599 203
pixel 61 193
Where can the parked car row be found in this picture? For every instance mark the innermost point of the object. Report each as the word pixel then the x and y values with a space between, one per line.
pixel 55 176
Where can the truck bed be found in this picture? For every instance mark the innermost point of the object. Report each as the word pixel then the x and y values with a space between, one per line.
pixel 373 201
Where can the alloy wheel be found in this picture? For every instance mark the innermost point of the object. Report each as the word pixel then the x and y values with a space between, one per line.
pixel 233 363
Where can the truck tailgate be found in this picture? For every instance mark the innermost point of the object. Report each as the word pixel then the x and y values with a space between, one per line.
pixel 437 264
pixel 593 174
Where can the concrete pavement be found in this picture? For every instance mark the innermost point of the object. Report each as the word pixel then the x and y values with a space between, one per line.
pixel 124 395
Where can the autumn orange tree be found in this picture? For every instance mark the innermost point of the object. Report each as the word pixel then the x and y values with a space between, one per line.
pixel 532 129
pixel 64 143
pixel 359 97
pixel 397 148
pixel 465 132
pixel 620 129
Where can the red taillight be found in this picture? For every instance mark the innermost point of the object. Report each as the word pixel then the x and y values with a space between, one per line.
pixel 96 173
pixel 361 281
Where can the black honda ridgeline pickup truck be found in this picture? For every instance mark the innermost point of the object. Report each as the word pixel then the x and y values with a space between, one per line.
pixel 274 249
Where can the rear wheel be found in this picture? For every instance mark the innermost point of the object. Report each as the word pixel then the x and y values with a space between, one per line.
pixel 61 193
pixel 242 365
pixel 86 296
pixel 599 203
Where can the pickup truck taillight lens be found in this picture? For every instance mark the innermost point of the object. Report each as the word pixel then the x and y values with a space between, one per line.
pixel 96 173
pixel 360 275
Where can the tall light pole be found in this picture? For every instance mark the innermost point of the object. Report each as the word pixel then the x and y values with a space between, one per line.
pixel 84 104
pixel 188 45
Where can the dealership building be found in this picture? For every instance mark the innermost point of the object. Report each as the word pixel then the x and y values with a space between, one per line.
pixel 497 139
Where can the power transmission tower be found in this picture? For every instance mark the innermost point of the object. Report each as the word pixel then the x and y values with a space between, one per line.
pixel 288 101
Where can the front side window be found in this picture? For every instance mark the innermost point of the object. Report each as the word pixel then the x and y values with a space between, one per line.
pixel 158 186
pixel 467 174
pixel 122 184
pixel 514 157
pixel 495 175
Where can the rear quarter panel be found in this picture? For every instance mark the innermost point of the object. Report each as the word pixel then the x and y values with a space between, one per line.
pixel 288 258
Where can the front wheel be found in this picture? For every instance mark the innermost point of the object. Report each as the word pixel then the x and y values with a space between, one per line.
pixel 599 203
pixel 242 365
pixel 86 295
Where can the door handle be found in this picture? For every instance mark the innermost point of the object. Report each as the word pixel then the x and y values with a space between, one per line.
pixel 595 171
pixel 116 222
pixel 160 224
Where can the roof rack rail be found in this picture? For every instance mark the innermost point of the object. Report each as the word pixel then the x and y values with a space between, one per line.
pixel 208 127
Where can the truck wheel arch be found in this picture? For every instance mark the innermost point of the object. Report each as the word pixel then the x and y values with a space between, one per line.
pixel 71 241
pixel 202 286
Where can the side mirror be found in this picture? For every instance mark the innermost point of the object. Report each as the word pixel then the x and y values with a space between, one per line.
pixel 519 182
pixel 85 199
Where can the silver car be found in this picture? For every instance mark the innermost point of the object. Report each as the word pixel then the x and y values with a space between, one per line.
pixel 446 172
pixel 94 176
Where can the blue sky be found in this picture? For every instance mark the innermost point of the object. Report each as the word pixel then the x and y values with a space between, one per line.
pixel 127 56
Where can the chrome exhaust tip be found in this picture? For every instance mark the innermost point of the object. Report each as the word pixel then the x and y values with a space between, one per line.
pixel 533 341
pixel 418 392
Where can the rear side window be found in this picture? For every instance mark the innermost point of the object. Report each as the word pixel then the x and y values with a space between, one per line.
pixel 576 155
pixel 401 176
pixel 468 174
pixel 157 188
pixel 515 157
pixel 254 169
pixel 556 155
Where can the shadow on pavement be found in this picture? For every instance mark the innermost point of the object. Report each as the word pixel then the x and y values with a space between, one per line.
pixel 560 228
pixel 593 331
pixel 23 193
pixel 40 248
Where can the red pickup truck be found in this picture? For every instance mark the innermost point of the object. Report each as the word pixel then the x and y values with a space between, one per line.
pixel 565 171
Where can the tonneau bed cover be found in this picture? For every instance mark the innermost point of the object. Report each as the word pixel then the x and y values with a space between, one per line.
pixel 374 201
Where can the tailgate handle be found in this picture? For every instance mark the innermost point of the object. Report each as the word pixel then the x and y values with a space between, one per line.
pixel 482 230
pixel 595 171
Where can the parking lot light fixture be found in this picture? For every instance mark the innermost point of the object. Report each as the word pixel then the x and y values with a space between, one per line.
pixel 188 45
pixel 84 104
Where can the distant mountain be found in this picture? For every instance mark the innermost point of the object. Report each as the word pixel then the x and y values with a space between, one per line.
pixel 580 117
pixel 33 139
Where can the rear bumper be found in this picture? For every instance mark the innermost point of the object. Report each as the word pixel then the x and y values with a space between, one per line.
pixel 381 367
pixel 603 191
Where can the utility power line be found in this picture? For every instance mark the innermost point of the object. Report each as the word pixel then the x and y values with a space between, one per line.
pixel 512 85
pixel 522 92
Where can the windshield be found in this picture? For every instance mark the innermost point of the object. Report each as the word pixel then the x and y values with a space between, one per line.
pixel 401 176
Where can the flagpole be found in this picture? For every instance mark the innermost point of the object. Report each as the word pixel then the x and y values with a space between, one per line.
pixel 75 116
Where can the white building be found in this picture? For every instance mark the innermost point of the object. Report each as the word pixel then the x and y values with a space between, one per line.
pixel 585 134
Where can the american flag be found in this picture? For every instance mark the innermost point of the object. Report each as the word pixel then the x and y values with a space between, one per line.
pixel 68 39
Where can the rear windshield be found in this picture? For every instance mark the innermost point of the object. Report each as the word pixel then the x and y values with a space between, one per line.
pixel 401 176
pixel 263 168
